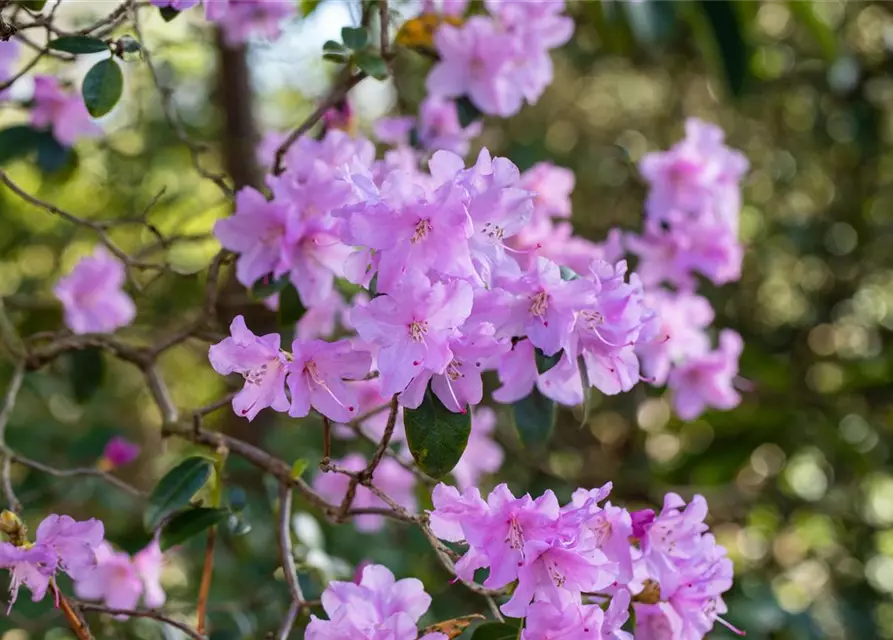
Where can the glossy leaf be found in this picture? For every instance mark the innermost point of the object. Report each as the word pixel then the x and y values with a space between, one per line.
pixel 496 631
pixel 372 64
pixel 188 524
pixel 535 418
pixel 78 44
pixel 268 286
pixel 330 46
pixel 176 489
pixel 102 88
pixel 33 5
pixel 51 155
pixel 354 37
pixel 467 110
pixel 87 373
pixel 437 437
pixel 733 49
pixel 545 363
pixel 290 308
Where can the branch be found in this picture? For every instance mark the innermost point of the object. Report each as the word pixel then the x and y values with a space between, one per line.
pixel 9 402
pixel 70 473
pixel 337 94
pixel 142 613
pixel 288 563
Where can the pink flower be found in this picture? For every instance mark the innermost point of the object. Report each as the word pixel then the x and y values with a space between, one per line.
pixel 9 53
pixel 574 621
pixel 119 581
pixel 260 232
pixel 389 477
pixel 64 112
pixel 316 377
pixel 413 327
pixel 378 608
pixel 119 452
pixel 91 295
pixel 32 567
pixel 243 19
pixel 482 455
pixel 553 186
pixel 707 380
pixel 316 257
pixel 475 60
pixel 73 542
pixel 260 361
pixel 179 5
pixel 439 126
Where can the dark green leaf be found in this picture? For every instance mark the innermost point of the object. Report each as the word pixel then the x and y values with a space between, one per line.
pixel 18 142
pixel 372 64
pixel 354 37
pixel 309 6
pixel 437 437
pixel 331 46
pixel 87 372
pixel 496 631
pixel 568 274
pixel 534 418
pixel 102 88
pixel 51 155
pixel 467 111
pixel 733 49
pixel 168 13
pixel 188 524
pixel 290 308
pixel 176 489
pixel 269 285
pixel 544 362
pixel 78 44
pixel 340 58
pixel 587 390
pixel 33 5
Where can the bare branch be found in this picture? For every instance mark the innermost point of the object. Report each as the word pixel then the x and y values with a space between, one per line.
pixel 12 392
pixel 143 613
pixel 288 563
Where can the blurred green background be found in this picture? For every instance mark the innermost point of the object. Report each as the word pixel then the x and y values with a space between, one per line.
pixel 798 477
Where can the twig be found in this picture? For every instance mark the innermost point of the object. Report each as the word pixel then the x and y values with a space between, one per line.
pixel 337 94
pixel 140 613
pixel 70 473
pixel 159 390
pixel 288 563
pixel 9 401
pixel 205 587
pixel 72 614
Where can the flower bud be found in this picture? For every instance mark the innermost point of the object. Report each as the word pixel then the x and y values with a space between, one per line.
pixel 13 527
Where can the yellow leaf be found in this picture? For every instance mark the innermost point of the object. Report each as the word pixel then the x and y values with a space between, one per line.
pixel 418 33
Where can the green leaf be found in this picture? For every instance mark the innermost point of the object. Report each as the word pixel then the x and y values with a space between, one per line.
pixel 188 524
pixel 17 142
pixel 331 46
pixel 309 6
pixel 587 390
pixel 340 58
pixel 87 373
pixel 372 64
pixel 467 111
pixel 78 44
pixel 821 31
pixel 733 49
pixel 354 37
pixel 290 308
pixel 544 362
pixel 534 418
pixel 51 155
pixel 299 467
pixel 102 88
pixel 176 489
pixel 268 285
pixel 496 631
pixel 437 437
pixel 168 13
pixel 33 5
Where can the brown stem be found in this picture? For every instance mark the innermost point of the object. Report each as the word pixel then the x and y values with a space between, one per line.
pixel 72 615
pixel 205 587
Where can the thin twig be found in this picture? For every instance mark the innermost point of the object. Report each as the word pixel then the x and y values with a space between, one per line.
pixel 288 563
pixel 71 473
pixel 205 587
pixel 142 613
pixel 12 392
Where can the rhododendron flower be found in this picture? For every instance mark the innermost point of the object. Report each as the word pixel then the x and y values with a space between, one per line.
pixel 119 581
pixel 439 126
pixel 32 567
pixel 578 622
pixel 482 455
pixel 378 608
pixel 119 452
pixel 242 19
pixel 552 186
pixel 707 380
pixel 389 477
pixel 91 295
pixel 413 327
pixel 316 256
pixel 62 112
pixel 74 542
pixel 260 361
pixel 316 377
pixel 260 231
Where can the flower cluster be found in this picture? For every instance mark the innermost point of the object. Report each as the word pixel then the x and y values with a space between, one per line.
pixel 565 561
pixel 119 580
pixel 691 227
pixel 502 59
pixel 377 608
pixel 240 20
pixel 91 295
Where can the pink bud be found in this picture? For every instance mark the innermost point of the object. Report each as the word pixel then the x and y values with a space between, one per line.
pixel 120 451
